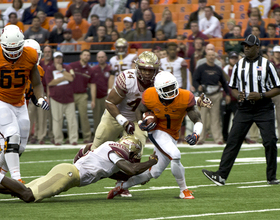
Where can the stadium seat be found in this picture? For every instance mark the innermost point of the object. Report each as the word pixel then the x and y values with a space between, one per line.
pixel 186 33
pixel 223 7
pixel 85 46
pixel 62 11
pixel 194 7
pixel 220 50
pixel 26 26
pixel 184 16
pixel 163 2
pixel 160 8
pixel 223 1
pixel 119 26
pixel 240 15
pixel 181 24
pixel 241 7
pixel 120 17
pixel 225 14
pixel 183 8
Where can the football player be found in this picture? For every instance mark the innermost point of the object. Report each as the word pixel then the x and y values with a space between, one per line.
pixel 121 61
pixel 18 64
pixel 103 162
pixel 170 104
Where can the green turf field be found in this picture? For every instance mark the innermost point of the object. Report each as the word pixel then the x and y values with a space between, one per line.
pixel 245 196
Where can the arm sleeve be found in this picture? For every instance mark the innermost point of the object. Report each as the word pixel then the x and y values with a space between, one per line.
pixel 233 83
pixel 173 31
pixel 273 75
pixel 213 26
pixel 114 157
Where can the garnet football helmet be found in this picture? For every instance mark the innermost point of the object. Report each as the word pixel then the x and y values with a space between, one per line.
pixel 12 41
pixel 147 65
pixel 166 85
pixel 34 44
pixel 121 46
pixel 133 144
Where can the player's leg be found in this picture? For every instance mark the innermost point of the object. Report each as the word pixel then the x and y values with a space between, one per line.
pixel 60 178
pixel 57 120
pixel 141 135
pixel 108 130
pixel 98 112
pixel 70 114
pixel 42 125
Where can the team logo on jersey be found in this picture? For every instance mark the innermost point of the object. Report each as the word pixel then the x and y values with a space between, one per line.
pixel 130 76
pixel 70 174
pixel 157 110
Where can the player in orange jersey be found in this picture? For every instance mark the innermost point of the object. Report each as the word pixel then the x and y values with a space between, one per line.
pixel 170 104
pixel 18 64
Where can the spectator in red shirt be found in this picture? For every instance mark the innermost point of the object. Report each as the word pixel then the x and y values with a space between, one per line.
pixel 83 79
pixel 59 78
pixel 195 34
pixel 101 74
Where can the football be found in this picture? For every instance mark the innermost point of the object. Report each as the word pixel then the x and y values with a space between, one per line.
pixel 150 116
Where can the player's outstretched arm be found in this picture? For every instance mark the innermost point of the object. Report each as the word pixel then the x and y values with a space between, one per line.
pixel 132 169
pixel 195 117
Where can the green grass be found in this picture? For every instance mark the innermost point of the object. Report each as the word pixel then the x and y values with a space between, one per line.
pixel 149 201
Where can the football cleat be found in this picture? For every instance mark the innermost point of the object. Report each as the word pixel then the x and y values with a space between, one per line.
pixel 215 178
pixel 20 180
pixel 114 192
pixel 186 194
pixel 126 193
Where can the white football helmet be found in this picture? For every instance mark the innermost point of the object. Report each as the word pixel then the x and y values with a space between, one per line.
pixel 133 144
pixel 35 45
pixel 166 85
pixel 12 41
pixel 147 61
pixel 121 46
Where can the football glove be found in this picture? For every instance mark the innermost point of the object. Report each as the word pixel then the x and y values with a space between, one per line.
pixel 129 127
pixel 203 101
pixel 43 104
pixel 192 139
pixel 148 127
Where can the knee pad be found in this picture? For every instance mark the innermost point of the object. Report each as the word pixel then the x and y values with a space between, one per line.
pixel 12 144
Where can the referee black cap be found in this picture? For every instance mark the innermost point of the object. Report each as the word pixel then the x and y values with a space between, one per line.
pixel 251 40
pixel 232 54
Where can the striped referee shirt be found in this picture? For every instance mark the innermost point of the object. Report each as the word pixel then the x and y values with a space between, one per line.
pixel 258 75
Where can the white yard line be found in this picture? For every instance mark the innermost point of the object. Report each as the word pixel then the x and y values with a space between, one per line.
pixel 213 214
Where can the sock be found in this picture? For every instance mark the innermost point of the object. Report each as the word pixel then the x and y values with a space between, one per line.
pixel 178 172
pixel 135 180
pixel 12 160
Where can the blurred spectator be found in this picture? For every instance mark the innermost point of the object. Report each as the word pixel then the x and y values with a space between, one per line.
pixel 49 6
pixel 103 10
pixel 82 80
pixel 195 34
pixel 16 7
pixel 14 20
pixel 61 16
pixel 79 5
pixel 160 36
pixel 46 62
pixel 254 21
pixel 43 21
pixel 209 47
pixel 166 23
pixel 115 35
pixel 36 32
pixel 257 32
pixel 31 12
pixel 79 26
pixel 101 74
pixel 117 6
pixel 138 14
pixel 128 31
pixel 131 6
pixel 67 35
pixel 256 12
pixel 110 26
pixel 142 34
pixel 276 15
pixel 264 5
pixel 156 51
pixel 198 52
pixel 231 107
pixel 210 25
pixel 230 26
pixel 151 25
pixel 235 45
pixel 101 37
pixel 92 31
pixel 163 53
pixel 269 51
pixel 59 79
pixel 207 78
pixel 199 14
pixel 181 49
pixel 56 35
pixel 271 33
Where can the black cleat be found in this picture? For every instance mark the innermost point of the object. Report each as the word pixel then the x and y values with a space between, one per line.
pixel 215 178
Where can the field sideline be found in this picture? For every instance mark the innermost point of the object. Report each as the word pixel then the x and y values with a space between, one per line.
pixel 245 196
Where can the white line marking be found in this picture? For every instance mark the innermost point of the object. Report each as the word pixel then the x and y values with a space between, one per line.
pixel 211 214
pixel 246 187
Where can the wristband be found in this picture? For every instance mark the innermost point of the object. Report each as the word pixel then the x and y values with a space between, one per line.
pixel 197 128
pixel 40 101
pixel 108 91
pixel 121 119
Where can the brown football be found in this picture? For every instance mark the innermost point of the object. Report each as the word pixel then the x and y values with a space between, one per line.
pixel 150 116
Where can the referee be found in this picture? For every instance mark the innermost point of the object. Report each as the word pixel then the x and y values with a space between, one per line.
pixel 254 82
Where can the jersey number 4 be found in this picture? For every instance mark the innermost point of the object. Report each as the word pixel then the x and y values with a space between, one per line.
pixel 6 78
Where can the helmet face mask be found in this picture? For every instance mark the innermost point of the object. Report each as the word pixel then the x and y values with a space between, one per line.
pixel 34 44
pixel 147 66
pixel 12 42
pixel 133 145
pixel 166 85
pixel 121 46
